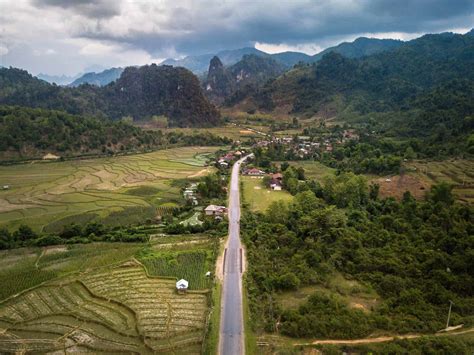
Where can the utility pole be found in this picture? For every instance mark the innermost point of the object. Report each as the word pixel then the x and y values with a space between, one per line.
pixel 449 313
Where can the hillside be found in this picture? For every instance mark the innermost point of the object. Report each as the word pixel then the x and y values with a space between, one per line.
pixel 251 72
pixel 361 47
pixel 160 90
pixel 379 82
pixel 99 79
pixel 27 133
pixel 140 92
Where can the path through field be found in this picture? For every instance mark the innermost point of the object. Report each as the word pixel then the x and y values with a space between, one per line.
pixel 381 339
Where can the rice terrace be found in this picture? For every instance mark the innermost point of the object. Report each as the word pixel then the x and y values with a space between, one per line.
pixel 48 196
pixel 105 298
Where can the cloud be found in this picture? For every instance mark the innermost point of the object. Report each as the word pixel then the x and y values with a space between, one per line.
pixel 96 9
pixel 3 50
pixel 84 33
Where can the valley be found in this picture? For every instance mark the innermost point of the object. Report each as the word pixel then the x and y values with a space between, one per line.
pixel 308 190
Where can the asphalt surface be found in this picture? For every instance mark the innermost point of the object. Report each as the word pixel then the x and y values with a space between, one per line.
pixel 231 328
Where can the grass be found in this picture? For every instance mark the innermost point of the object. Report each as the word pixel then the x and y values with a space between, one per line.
pixel 47 196
pixel 250 338
pixel 258 197
pixel 96 297
pixel 190 265
pixel 212 338
pixel 313 169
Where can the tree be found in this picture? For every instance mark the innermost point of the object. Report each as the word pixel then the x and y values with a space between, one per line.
pixel 5 239
pixel 24 233
pixel 442 192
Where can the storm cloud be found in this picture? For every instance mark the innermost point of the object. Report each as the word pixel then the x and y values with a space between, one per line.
pixel 118 32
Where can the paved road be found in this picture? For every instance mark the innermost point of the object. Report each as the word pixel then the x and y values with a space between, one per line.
pixel 231 337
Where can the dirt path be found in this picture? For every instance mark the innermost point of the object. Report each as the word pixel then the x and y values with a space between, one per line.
pixel 220 260
pixel 200 173
pixel 381 339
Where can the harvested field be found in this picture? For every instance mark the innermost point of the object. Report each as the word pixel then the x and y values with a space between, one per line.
pixel 395 186
pixel 49 195
pixel 421 175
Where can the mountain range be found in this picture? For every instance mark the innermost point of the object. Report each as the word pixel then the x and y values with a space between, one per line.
pixel 99 79
pixel 199 64
pixel 362 46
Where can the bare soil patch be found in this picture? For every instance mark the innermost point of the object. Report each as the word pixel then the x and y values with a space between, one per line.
pixel 395 186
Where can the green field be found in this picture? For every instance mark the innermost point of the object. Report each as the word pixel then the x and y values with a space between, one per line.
pixel 313 169
pixel 98 297
pixel 258 197
pixel 120 190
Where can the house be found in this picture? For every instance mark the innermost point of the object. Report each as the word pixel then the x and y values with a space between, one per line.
pixel 188 193
pixel 182 286
pixel 329 148
pixel 277 177
pixel 238 153
pixel 214 210
pixel 223 163
pixel 253 172
pixel 275 185
pixel 6 187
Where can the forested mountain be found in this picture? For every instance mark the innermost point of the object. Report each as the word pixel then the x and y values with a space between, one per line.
pixel 160 90
pixel 251 72
pixel 99 79
pixel 378 82
pixel 361 47
pixel 140 92
pixel 27 133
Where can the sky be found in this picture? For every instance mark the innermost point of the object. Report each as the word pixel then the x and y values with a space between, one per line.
pixel 71 36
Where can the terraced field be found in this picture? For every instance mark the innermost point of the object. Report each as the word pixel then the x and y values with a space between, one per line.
pixel 47 196
pixel 459 173
pixel 114 308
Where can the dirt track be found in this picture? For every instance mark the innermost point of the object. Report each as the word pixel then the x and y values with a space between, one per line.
pixel 380 339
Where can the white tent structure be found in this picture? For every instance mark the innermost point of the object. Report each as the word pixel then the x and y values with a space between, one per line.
pixel 182 285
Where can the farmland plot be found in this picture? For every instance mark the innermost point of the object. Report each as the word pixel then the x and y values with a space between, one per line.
pixel 48 196
pixel 114 309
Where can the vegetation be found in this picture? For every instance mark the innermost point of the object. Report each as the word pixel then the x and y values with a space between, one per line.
pixel 415 255
pixel 457 344
pixel 31 133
